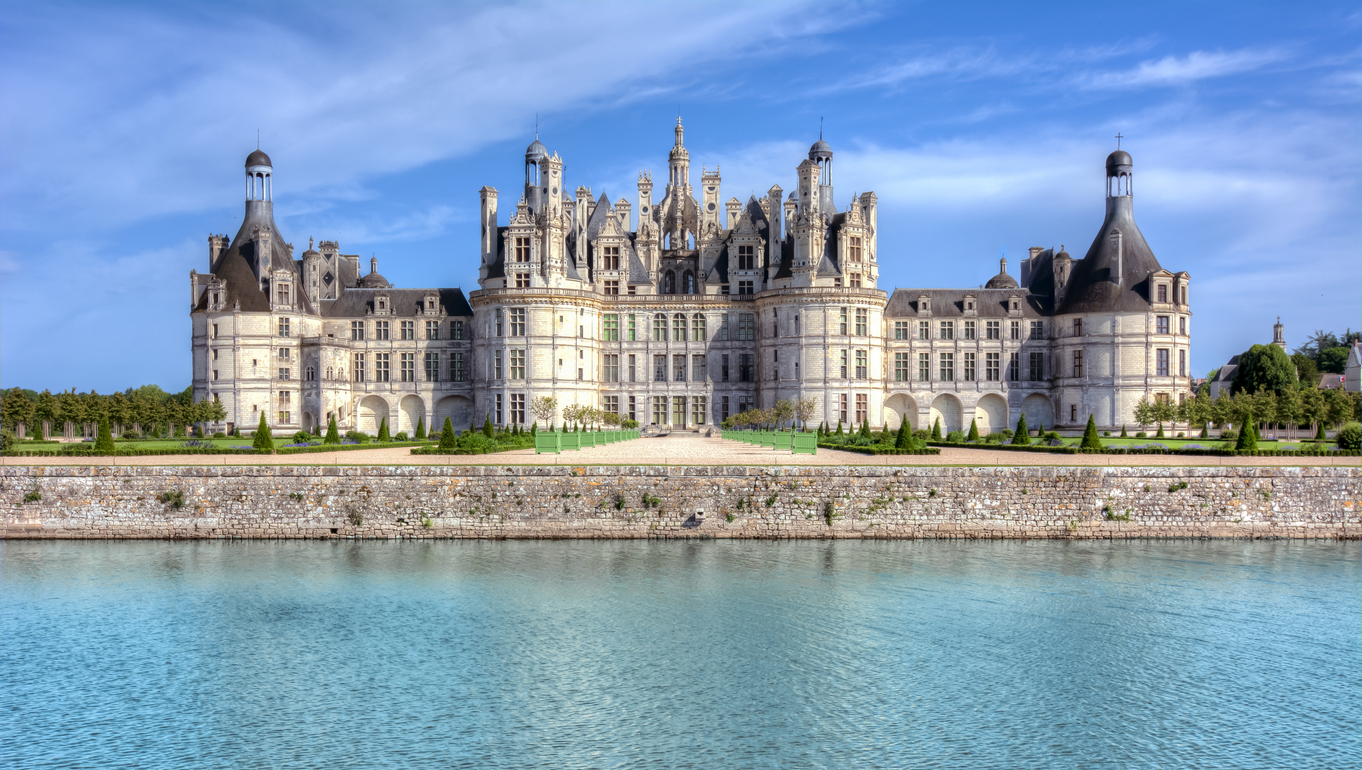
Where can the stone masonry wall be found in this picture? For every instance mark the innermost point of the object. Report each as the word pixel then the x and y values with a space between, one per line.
pixel 663 502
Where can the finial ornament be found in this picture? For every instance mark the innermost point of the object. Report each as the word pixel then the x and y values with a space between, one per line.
pixel 1118 140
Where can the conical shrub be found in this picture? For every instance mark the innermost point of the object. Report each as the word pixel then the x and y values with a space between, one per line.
pixel 383 430
pixel 1023 435
pixel 263 439
pixel 447 437
pixel 973 431
pixel 420 429
pixel 104 443
pixel 1090 438
pixel 332 432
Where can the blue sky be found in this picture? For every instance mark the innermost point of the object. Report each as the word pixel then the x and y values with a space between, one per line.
pixel 982 127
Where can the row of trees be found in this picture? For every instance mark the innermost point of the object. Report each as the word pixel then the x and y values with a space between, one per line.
pixel 544 407
pixel 1269 368
pixel 136 410
pixel 787 411
pixel 1289 407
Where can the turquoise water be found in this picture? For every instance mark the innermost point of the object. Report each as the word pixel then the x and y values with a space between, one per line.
pixel 678 655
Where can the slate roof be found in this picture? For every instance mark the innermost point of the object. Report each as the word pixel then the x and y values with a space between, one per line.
pixel 950 303
pixel 405 303
pixel 498 267
pixel 239 268
pixel 1092 287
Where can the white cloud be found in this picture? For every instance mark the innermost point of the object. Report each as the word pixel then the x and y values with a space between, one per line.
pixel 1176 71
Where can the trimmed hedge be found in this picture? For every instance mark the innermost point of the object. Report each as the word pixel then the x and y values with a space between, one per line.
pixel 131 452
pixel 1073 450
pixel 315 448
pixel 878 449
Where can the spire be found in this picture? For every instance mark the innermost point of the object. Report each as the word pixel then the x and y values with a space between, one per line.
pixel 680 133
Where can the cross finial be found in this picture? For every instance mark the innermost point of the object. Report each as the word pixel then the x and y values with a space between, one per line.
pixel 536 126
pixel 820 126
pixel 1118 140
pixel 257 139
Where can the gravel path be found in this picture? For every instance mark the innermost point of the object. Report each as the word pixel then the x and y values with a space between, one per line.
pixel 686 449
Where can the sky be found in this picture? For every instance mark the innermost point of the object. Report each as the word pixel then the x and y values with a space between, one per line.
pixel 982 127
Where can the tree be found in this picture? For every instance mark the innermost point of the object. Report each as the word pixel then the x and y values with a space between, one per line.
pixel 1248 436
pixel 1266 368
pixel 104 443
pixel 1163 412
pixel 974 430
pixel 1307 371
pixel 783 412
pixel 1333 360
pixel 1090 438
pixel 936 430
pixel 447 437
pixel 904 438
pixel 1289 410
pixel 1144 412
pixel 383 430
pixel 804 409
pixel 332 432
pixel 1023 436
pixel 487 426
pixel 420 429
pixel 1123 430
pixel 865 428
pixel 263 439
pixel 543 408
pixel 839 426
pixel 15 408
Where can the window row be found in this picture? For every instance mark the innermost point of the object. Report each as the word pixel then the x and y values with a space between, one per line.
pixel 969 366
pixel 378 367
pixel 406 330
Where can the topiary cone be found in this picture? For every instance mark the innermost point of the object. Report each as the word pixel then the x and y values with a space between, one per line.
pixel 263 439
pixel 104 443
pixel 1023 435
pixel 1090 437
pixel 973 431
pixel 332 433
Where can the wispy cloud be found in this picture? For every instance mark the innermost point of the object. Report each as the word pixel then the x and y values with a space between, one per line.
pixel 1182 70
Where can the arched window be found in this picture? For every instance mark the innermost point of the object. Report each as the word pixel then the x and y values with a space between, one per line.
pixel 697 327
pixel 330 373
pixel 679 327
pixel 659 328
pixel 311 374
pixel 669 283
pixel 690 282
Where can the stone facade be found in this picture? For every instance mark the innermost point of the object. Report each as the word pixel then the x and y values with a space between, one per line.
pixel 664 502
pixel 683 313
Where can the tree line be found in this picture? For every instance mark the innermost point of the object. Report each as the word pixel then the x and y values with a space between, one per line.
pixel 135 411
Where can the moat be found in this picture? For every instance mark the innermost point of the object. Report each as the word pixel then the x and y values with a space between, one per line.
pixel 680 654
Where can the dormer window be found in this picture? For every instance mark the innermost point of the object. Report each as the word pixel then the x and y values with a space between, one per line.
pixel 1163 292
pixel 610 258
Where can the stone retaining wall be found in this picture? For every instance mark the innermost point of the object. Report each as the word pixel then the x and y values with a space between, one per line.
pixel 695 501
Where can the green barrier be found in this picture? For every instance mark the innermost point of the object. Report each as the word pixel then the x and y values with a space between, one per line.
pixel 781 441
pixel 548 442
pixel 571 440
pixel 768 439
pixel 804 444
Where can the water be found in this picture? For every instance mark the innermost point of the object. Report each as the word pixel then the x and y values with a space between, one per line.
pixel 678 655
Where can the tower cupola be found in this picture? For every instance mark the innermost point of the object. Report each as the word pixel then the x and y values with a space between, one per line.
pixel 259 177
pixel 1118 174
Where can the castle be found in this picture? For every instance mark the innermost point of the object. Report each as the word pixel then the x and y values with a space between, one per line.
pixel 690 311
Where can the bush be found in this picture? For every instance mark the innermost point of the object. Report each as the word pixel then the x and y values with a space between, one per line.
pixel 383 431
pixel 302 437
pixel 356 436
pixel 1090 439
pixel 219 434
pixel 1228 435
pixel 956 437
pixel 401 436
pixel 447 437
pixel 1349 438
pixel 104 444
pixel 6 440
pixel 1022 436
pixel 263 440
pixel 332 434
pixel 1140 434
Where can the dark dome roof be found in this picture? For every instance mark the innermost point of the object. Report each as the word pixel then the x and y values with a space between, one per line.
pixel 1118 158
pixel 536 150
pixel 820 147
pixel 1001 281
pixel 1063 255
pixel 373 281
pixel 258 158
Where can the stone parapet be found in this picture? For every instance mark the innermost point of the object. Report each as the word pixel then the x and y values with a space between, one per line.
pixel 534 502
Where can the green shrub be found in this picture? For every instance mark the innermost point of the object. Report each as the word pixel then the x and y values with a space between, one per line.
pixel 1140 434
pixel 973 431
pixel 1349 437
pixel 1090 439
pixel 357 437
pixel 487 427
pixel 302 437
pixel 447 437
pixel 383 431
pixel 956 437
pixel 420 428
pixel 1123 431
pixel 401 436
pixel 1022 436
pixel 936 430
pixel 263 440
pixel 104 443
pixel 6 440
pixel 332 433
pixel 219 434
pixel 1248 437
pixel 1228 435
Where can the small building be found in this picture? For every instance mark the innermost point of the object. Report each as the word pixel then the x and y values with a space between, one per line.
pixel 1352 371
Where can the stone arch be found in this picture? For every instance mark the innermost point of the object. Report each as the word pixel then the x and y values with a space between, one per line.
pixel 900 407
pixel 373 410
pixel 991 414
pixel 946 408
pixel 1038 411
pixel 410 409
pixel 458 409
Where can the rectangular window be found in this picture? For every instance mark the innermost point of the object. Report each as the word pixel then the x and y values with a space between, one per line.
pixel 522 280
pixel 659 368
pixel 633 360
pixel 522 249
pixel 408 330
pixel 1016 330
pixel 678 328
pixel 747 327
pixel 633 327
pixel 611 404
pixel 723 414
pixel 1182 326
pixel 456 330
pixel 359 367
pixel 854 248
pixel 747 258
pixel 517 364
pixel 924 330
pixel 991 329
pixel 496 364
pixel 723 368
pixel 678 368
pixel 991 367
pixel 612 288
pixel 1163 292
pixel 948 330
pixel 284 353
pixel 382 370
pixel 900 367
pixel 1013 368
pixel 432 367
pixel 1037 330
pixel 432 330
pixel 1161 362
pixel 924 367
pixel 1161 324
pixel 697 410
pixel 611 365
pixel 969 367
pixel 900 330
pixel 518 408
pixel 659 410
pixel 845 355
pixel 969 330
pixel 356 330
pixel 862 408
pixel 498 318
pixel 408 367
pixel 610 258
pixel 862 369
pixel 518 322
pixel 723 327
pixel 1037 368
pixel 745 373
pixel 842 407
pixel 1078 363
pixel 1182 363
pixel 633 415
pixel 610 328
pixel 283 327
pixel 457 373
pixel 1078 327
pixel 1073 412
pixel 679 411
pixel 698 368
pixel 854 280
pixel 745 287
pixel 862 323
pixel 947 366
pixel 844 322
pixel 659 328
pixel 285 374
pixel 497 416
pixel 381 330
pixel 697 328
